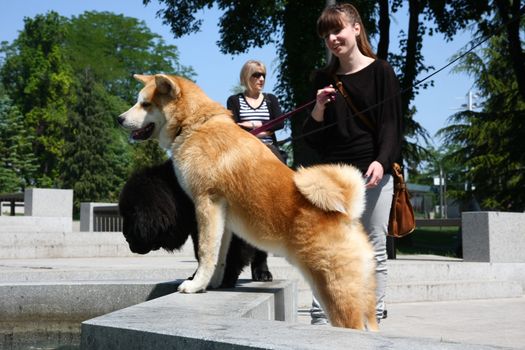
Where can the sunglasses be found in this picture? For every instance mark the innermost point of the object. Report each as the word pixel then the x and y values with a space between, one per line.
pixel 257 75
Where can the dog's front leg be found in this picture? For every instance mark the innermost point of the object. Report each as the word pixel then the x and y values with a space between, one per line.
pixel 218 275
pixel 211 215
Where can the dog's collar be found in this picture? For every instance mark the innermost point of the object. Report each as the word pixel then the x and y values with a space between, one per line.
pixel 178 131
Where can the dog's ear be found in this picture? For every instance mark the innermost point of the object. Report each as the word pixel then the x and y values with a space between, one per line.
pixel 166 85
pixel 143 78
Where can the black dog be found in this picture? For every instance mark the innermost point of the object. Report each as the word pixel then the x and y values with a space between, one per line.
pixel 157 213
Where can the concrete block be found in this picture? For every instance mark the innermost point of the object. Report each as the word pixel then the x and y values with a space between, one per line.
pixel 86 215
pixel 497 237
pixel 48 202
pixel 226 320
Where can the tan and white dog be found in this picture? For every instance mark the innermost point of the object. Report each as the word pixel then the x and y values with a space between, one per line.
pixel 310 216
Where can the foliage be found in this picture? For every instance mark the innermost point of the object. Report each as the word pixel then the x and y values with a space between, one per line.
pixel 89 167
pixel 490 142
pixel 114 47
pixel 68 80
pixel 18 163
pixel 38 79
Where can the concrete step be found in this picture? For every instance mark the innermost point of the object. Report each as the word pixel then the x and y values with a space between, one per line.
pixel 43 245
pixel 11 224
pixel 178 266
pixel 432 280
pixel 104 256
pixel 452 290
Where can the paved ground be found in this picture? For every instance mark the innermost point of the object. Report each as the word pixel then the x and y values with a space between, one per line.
pixel 497 322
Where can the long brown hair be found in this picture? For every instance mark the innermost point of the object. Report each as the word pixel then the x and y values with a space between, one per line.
pixel 334 18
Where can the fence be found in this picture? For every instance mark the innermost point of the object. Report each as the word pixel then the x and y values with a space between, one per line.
pixel 14 200
pixel 107 219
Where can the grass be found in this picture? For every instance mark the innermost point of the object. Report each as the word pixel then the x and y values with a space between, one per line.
pixel 445 241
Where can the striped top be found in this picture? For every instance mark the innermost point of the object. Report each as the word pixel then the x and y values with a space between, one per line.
pixel 250 114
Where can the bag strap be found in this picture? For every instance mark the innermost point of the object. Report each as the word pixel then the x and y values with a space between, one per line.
pixel 396 168
pixel 350 104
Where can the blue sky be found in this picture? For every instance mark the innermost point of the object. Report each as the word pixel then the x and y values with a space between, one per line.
pixel 217 74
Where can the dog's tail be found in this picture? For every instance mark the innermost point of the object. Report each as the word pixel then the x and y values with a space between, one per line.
pixel 333 188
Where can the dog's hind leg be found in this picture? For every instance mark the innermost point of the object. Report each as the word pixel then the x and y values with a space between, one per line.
pixel 342 309
pixel 211 214
pixel 371 312
pixel 259 266
pixel 340 291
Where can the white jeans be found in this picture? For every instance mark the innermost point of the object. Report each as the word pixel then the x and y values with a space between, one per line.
pixel 375 221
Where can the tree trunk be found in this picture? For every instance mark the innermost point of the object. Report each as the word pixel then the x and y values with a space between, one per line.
pixel 413 47
pixel 513 18
pixel 384 30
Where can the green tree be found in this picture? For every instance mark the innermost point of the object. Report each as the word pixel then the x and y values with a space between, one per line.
pixel 87 167
pixel 42 69
pixel 490 142
pixel 38 79
pixel 114 47
pixel 18 163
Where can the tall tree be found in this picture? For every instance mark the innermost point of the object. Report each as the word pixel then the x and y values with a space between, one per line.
pixel 489 142
pixel 18 163
pixel 41 70
pixel 113 47
pixel 87 166
pixel 38 78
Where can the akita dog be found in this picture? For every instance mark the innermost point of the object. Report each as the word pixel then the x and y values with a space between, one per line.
pixel 312 216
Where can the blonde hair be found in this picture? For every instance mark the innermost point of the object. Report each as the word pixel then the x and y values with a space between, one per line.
pixel 334 18
pixel 250 67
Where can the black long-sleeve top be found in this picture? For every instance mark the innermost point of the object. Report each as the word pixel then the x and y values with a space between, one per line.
pixel 375 92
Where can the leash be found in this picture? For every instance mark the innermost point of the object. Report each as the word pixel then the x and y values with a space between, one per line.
pixel 278 120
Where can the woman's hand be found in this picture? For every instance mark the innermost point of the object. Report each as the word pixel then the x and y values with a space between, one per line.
pixel 374 174
pixel 250 125
pixel 324 96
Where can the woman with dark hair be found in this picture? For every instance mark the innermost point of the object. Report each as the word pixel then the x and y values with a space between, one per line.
pixel 362 129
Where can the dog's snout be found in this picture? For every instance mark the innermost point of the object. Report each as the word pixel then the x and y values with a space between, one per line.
pixel 121 119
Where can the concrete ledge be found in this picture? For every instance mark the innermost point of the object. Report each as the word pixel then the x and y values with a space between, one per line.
pixel 231 320
pixel 42 244
pixel 35 224
pixel 46 312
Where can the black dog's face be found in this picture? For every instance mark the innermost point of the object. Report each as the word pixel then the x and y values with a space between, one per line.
pixel 156 212
pixel 137 237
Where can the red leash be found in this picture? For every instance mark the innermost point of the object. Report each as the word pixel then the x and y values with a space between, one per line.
pixel 277 120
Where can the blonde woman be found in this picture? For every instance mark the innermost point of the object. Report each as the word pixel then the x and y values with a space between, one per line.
pixel 253 108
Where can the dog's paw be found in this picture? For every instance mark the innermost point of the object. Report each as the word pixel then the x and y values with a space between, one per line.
pixel 262 275
pixel 190 286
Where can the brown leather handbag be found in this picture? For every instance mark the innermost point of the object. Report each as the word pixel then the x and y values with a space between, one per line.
pixel 401 221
